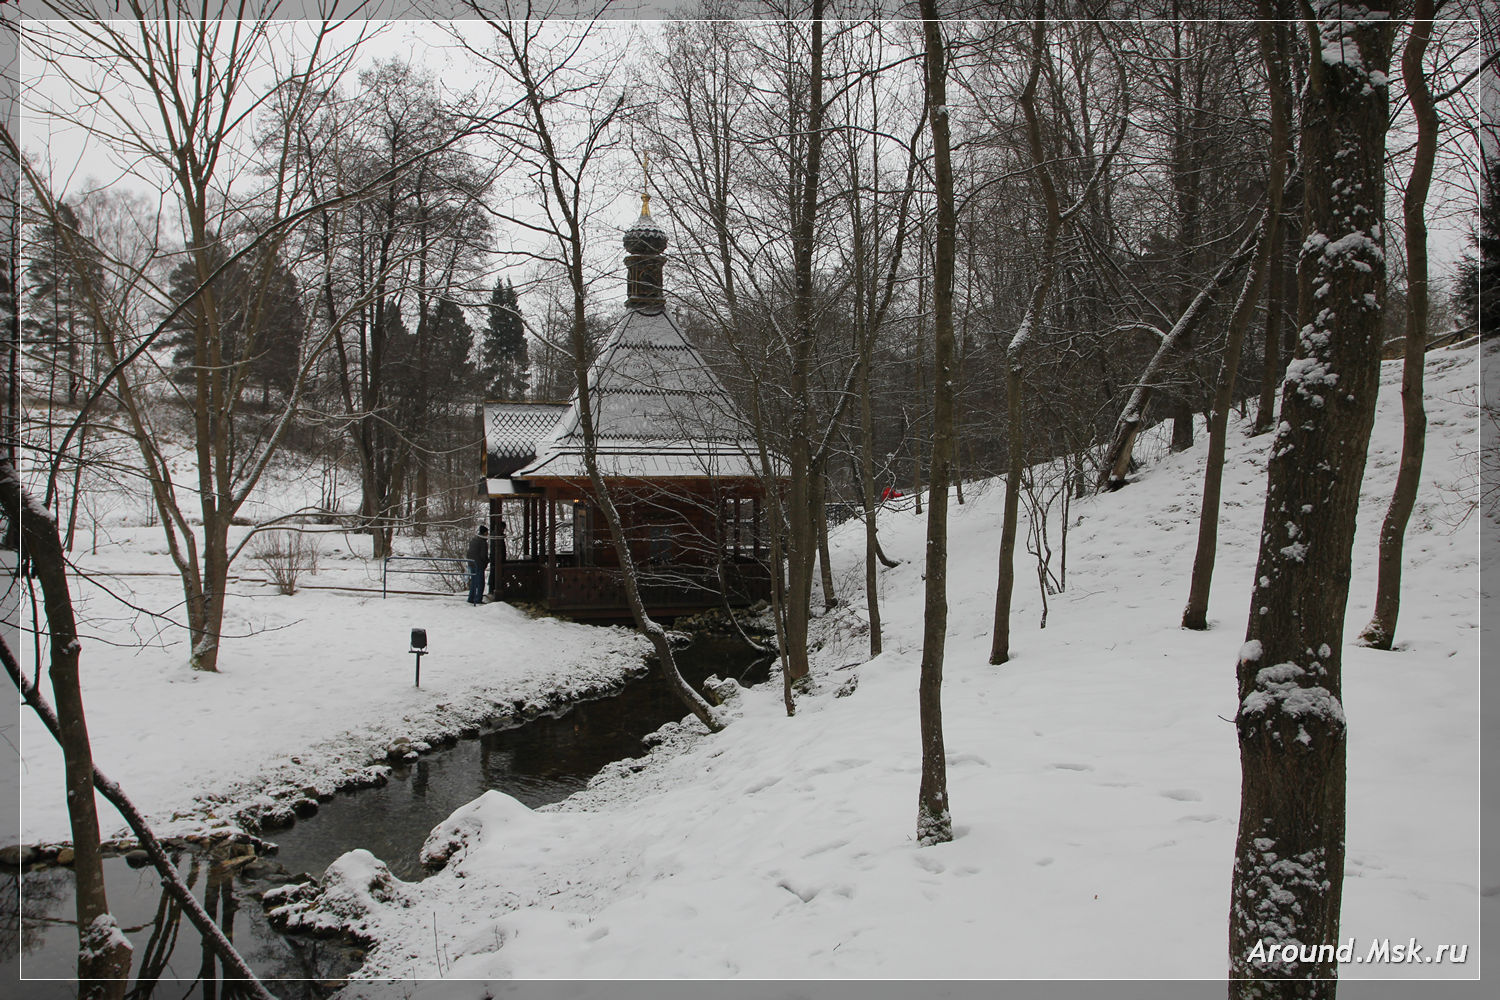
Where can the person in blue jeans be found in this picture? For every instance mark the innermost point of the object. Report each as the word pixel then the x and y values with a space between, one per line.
pixel 478 556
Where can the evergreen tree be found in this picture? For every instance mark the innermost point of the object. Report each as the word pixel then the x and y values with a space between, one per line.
pixel 57 329
pixel 1489 253
pixel 505 366
pixel 453 372
pixel 261 321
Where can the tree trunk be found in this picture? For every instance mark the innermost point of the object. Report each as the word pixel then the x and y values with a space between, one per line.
pixel 934 821
pixel 1005 583
pixel 1195 615
pixel 205 629
pixel 103 957
pixel 1289 852
pixel 867 493
pixel 803 539
pixel 419 514
pixel 802 550
pixel 1275 291
pixel 1381 632
pixel 825 565
pixel 1271 373
pixel 1016 350
pixel 1187 198
pixel 1122 444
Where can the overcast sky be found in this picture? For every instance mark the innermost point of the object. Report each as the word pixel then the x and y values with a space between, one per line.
pixel 75 163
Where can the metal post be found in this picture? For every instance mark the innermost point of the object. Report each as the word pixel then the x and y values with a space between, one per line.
pixel 419 646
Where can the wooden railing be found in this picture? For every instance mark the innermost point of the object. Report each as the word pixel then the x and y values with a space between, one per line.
pixel 601 590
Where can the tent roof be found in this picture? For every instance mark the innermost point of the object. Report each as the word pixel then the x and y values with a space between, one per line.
pixel 658 412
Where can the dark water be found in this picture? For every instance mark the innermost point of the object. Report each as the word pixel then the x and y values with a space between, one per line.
pixel 543 761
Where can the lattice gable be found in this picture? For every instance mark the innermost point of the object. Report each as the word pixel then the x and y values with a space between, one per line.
pixel 513 430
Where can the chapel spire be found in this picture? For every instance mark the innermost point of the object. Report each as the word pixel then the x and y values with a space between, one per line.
pixel 644 243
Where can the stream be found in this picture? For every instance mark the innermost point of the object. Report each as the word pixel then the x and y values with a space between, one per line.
pixel 538 762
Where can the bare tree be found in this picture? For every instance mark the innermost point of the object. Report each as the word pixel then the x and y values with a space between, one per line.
pixel 934 820
pixel 1289 853
pixel 1055 217
pixel 103 952
pixel 1380 633
pixel 746 140
pixel 1195 616
pixel 189 132
pixel 567 126
pixel 390 262
pixel 873 292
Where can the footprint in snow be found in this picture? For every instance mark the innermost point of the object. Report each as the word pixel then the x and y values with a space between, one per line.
pixel 966 758
pixel 1071 767
pixel 1199 818
pixel 806 893
pixel 929 863
pixel 831 845
pixel 1182 794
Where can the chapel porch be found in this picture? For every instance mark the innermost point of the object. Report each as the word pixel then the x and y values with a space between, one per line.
pixel 691 553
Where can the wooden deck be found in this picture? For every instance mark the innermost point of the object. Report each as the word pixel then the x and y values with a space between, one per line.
pixel 599 592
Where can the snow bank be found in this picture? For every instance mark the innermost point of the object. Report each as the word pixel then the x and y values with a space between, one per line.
pixel 349 899
pixel 479 823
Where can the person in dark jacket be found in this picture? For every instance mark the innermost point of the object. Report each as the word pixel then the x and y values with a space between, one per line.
pixel 478 556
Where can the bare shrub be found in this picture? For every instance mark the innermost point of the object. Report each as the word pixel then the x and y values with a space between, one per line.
pixel 445 541
pixel 285 556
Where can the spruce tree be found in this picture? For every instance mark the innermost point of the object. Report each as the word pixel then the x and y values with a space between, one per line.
pixel 504 365
pixel 58 328
pixel 452 341
pixel 260 315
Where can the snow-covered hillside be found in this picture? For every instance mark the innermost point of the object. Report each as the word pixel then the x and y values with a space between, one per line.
pixel 1094 779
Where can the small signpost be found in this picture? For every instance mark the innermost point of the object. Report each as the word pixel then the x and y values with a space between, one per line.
pixel 419 646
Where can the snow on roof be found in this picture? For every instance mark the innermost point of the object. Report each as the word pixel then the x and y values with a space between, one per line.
pixel 658 412
pixel 652 460
pixel 513 430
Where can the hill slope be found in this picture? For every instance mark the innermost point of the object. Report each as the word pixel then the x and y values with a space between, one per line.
pixel 1094 779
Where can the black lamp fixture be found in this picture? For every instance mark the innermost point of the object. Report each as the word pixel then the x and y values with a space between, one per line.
pixel 419 646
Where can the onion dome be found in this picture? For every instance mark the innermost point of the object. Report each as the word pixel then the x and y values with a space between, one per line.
pixel 645 236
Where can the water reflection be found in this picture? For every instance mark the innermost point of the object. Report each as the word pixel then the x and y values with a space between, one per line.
pixel 543 761
pixel 167 947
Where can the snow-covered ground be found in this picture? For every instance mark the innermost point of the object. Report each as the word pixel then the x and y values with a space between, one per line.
pixel 1094 779
pixel 311 687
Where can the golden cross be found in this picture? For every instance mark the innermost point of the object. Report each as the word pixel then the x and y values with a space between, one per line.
pixel 646 183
